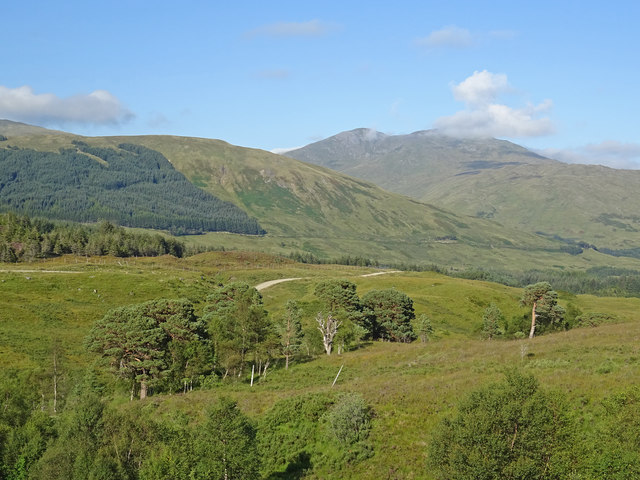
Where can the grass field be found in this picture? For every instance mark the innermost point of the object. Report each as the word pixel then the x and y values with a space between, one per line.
pixel 410 387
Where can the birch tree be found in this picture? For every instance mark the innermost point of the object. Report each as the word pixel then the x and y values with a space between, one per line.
pixel 290 331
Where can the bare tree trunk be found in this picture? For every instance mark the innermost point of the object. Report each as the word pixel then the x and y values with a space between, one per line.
pixel 533 321
pixel 328 327
pixel 286 362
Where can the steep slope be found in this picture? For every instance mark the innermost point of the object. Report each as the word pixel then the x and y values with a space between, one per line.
pixel 131 185
pixel 494 179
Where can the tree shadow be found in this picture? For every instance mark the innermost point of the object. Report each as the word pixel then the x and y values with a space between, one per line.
pixel 295 470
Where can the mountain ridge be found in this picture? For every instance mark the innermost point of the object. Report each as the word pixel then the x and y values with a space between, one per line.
pixel 496 179
pixel 313 209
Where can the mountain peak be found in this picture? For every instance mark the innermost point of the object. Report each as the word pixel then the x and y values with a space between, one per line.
pixel 412 164
pixel 363 134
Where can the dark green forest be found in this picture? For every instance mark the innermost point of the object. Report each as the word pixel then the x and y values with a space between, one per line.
pixel 131 186
pixel 25 239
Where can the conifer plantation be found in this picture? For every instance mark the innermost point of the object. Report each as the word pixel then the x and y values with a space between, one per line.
pixel 130 185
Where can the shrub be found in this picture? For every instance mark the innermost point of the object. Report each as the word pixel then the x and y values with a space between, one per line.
pixel 508 430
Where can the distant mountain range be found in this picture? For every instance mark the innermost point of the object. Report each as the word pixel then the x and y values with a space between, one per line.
pixel 494 179
pixel 312 209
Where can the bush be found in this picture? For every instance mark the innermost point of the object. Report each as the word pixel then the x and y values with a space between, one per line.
pixel 594 319
pixel 511 430
pixel 349 419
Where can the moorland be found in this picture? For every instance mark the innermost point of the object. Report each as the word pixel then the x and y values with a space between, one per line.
pixel 131 353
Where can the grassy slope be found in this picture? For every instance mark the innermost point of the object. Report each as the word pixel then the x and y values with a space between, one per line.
pixel 474 177
pixel 309 208
pixel 411 387
pixel 583 202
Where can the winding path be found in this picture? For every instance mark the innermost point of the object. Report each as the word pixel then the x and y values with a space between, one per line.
pixel 270 283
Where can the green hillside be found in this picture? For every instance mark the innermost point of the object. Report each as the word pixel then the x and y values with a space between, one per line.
pixel 46 313
pixel 306 208
pixel 128 184
pixel 489 178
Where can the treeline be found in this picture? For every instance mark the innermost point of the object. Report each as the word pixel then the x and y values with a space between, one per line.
pixel 25 239
pixel 132 186
pixel 350 260
pixel 602 281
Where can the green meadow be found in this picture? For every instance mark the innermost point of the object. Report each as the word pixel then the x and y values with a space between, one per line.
pixel 50 306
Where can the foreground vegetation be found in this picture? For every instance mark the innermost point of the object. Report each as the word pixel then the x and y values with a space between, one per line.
pixel 66 417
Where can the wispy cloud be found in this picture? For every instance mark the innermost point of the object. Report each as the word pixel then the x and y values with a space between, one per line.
pixel 312 28
pixel 610 153
pixel 99 107
pixel 447 37
pixel 158 120
pixel 485 117
pixel 454 37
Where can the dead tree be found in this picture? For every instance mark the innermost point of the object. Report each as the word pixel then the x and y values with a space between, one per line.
pixel 328 328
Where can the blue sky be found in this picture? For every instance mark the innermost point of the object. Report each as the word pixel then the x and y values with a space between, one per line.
pixel 560 77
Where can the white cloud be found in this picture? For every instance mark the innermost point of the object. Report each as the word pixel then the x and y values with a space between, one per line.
pixel 484 117
pixel 99 107
pixel 610 153
pixel 282 151
pixel 447 37
pixel 312 28
pixel 481 88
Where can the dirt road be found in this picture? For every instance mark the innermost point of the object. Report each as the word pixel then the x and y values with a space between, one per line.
pixel 270 283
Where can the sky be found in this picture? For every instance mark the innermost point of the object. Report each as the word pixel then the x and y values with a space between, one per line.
pixel 559 77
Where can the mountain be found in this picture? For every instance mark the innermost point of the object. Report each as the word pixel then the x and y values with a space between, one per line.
pixel 14 129
pixel 312 209
pixel 411 164
pixel 496 179
pixel 129 184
